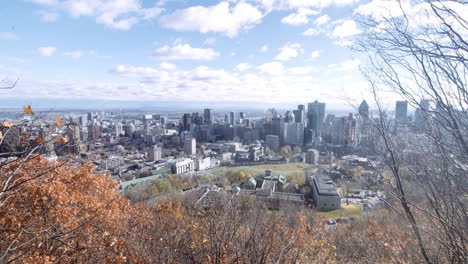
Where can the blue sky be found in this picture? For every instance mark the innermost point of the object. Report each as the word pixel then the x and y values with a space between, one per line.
pixel 278 51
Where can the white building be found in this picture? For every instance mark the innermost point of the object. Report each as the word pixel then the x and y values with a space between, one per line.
pixel 190 146
pixel 154 153
pixel 202 163
pixel 181 165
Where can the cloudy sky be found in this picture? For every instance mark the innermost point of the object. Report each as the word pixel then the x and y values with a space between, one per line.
pixel 182 50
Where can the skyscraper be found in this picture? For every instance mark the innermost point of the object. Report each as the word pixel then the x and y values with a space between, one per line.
pixel 364 109
pixel 190 146
pixel 315 116
pixel 401 111
pixel 421 116
pixel 208 116
pixel 232 118
pixel 154 153
pixel 186 121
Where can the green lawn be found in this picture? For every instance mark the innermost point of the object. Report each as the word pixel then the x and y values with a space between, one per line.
pixel 288 167
pixel 351 210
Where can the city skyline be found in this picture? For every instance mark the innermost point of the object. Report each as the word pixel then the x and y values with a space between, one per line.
pixel 130 50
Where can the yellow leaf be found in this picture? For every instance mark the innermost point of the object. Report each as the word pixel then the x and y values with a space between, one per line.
pixel 59 123
pixel 28 110
pixel 7 125
pixel 1 135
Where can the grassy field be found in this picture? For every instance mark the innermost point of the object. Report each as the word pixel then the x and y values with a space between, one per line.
pixel 351 210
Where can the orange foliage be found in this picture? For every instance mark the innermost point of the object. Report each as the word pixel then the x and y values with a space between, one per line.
pixel 61 213
pixel 27 110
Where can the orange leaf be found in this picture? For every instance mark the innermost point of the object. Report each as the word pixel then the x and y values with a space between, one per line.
pixel 65 139
pixel 1 135
pixel 71 154
pixel 59 123
pixel 72 127
pixel 38 140
pixel 28 110
pixel 7 125
pixel 24 136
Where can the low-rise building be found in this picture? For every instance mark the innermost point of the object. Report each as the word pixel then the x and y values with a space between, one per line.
pixel 324 193
pixel 182 165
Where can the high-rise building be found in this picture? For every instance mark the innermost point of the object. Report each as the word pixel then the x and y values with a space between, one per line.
pixel 298 116
pixel 401 111
pixel 273 142
pixel 186 121
pixel 154 153
pixel 208 116
pixel 301 107
pixel 242 115
pixel 316 116
pixel 294 134
pixel 227 119
pixel 364 109
pixel 232 118
pixel 421 115
pixel 190 146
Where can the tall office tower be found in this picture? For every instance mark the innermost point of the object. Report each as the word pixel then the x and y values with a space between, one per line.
pixel 129 130
pixel 154 153
pixel 401 111
pixel 48 147
pixel 294 134
pixel 315 116
pixel 227 119
pixel 190 146
pixel 208 116
pixel 364 109
pixel 186 121
pixel 90 116
pixel 338 131
pixel 162 120
pixel 242 115
pixel 298 116
pixel 421 116
pixel 350 130
pixel 232 118
pixel 301 107
pixel 118 129
pixel 289 117
pixel 273 142
pixel 83 120
pixel 277 128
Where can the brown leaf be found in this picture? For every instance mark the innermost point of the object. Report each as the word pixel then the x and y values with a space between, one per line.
pixel 1 135
pixel 38 140
pixel 28 110
pixel 59 123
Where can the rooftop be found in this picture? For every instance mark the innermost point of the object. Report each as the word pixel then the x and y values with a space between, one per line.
pixel 325 185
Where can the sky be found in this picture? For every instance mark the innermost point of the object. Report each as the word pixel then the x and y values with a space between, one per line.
pixel 234 51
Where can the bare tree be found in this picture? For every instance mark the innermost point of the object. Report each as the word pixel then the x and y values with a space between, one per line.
pixel 419 52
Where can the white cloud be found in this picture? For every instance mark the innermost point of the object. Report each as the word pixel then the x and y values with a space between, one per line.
pixel 294 4
pixel 220 18
pixel 48 16
pixel 346 29
pixel 379 9
pixel 121 14
pixel 322 20
pixel 184 52
pixel 272 68
pixel 8 36
pixel 73 54
pixel 311 32
pixel 347 65
pixel 301 70
pixel 210 41
pixel 343 43
pixel 315 54
pixel 264 48
pixel 167 66
pixel 243 66
pixel 289 51
pixel 299 18
pixel 46 51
